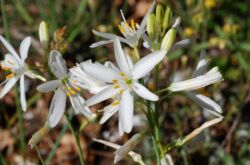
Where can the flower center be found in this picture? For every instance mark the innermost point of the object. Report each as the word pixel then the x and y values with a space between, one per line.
pixel 127 29
pixel 70 87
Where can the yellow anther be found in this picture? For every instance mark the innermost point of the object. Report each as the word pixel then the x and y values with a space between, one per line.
pixel 117 86
pixel 121 91
pixel 4 68
pixel 68 94
pixel 133 24
pixel 9 76
pixel 74 81
pixel 114 81
pixel 77 88
pixel 122 74
pixel 121 29
pixel 72 92
pixel 10 62
pixel 115 103
pixel 127 25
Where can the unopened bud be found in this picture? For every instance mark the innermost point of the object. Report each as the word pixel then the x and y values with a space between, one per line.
pixel 159 17
pixel 168 39
pixel 167 19
pixel 44 34
pixel 151 29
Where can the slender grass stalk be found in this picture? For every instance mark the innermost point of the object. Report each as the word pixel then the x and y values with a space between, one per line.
pixel 39 155
pixel 77 140
pixel 23 12
pixel 5 21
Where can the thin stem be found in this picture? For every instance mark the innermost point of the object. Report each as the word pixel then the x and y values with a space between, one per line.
pixel 136 53
pixel 39 155
pixel 77 140
pixel 5 21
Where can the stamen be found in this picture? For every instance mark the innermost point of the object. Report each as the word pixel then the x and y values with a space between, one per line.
pixel 10 62
pixel 121 91
pixel 10 76
pixel 123 16
pixel 68 94
pixel 114 81
pixel 115 103
pixel 133 24
pixel 117 86
pixel 77 88
pixel 121 29
pixel 122 74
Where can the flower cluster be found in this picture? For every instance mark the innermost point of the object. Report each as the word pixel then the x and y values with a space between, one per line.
pixel 120 82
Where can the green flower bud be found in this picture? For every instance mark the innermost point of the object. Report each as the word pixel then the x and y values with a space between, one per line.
pixel 151 26
pixel 168 39
pixel 167 19
pixel 159 17
pixel 44 34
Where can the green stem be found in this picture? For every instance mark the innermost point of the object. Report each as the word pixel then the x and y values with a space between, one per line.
pixel 39 155
pixel 77 140
pixel 5 21
pixel 136 53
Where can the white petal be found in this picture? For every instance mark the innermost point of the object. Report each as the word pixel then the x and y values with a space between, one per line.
pixel 22 93
pixel 48 86
pixel 108 36
pixel 105 94
pixel 144 21
pixel 100 72
pixel 120 57
pixel 205 102
pixel 24 48
pixel 202 65
pixel 78 105
pixel 109 111
pixel 57 64
pixel 10 49
pixel 147 63
pixel 57 107
pixel 100 43
pixel 144 92
pixel 126 110
pixel 198 82
pixel 7 87
pixel 10 62
pixel 181 44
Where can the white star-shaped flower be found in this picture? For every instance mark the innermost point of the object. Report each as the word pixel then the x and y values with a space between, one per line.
pixel 123 82
pixel 131 32
pixel 16 68
pixel 65 85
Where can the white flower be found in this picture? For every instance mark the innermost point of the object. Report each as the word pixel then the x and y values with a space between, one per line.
pixel 86 81
pixel 126 149
pixel 64 86
pixel 123 81
pixel 131 32
pixel 15 66
pixel 200 79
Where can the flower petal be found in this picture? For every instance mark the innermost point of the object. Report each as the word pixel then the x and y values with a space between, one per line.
pixel 24 48
pixel 126 110
pixel 204 101
pixel 100 72
pixel 79 107
pixel 57 107
pixel 22 93
pixel 120 57
pixel 10 49
pixel 109 111
pixel 181 44
pixel 10 62
pixel 144 92
pixel 198 82
pixel 105 94
pixel 7 87
pixel 202 65
pixel 48 86
pixel 100 43
pixel 57 64
pixel 108 36
pixel 147 63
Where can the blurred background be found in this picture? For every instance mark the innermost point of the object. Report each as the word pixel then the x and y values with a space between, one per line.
pixel 221 27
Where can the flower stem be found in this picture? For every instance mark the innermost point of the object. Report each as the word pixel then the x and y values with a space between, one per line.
pixel 77 140
pixel 136 53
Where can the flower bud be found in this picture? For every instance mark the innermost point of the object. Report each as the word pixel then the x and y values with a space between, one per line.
pixel 151 29
pixel 44 34
pixel 167 19
pixel 168 39
pixel 159 17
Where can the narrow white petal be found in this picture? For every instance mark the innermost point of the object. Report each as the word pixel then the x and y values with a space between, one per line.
pixel 10 48
pixel 147 63
pixel 22 93
pixel 24 48
pixel 126 110
pixel 197 82
pixel 144 92
pixel 109 111
pixel 57 107
pixel 144 20
pixel 120 57
pixel 100 72
pixel 181 44
pixel 10 62
pixel 109 36
pixel 48 86
pixel 7 87
pixel 204 101
pixel 57 64
pixel 202 65
pixel 105 94
pixel 100 43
